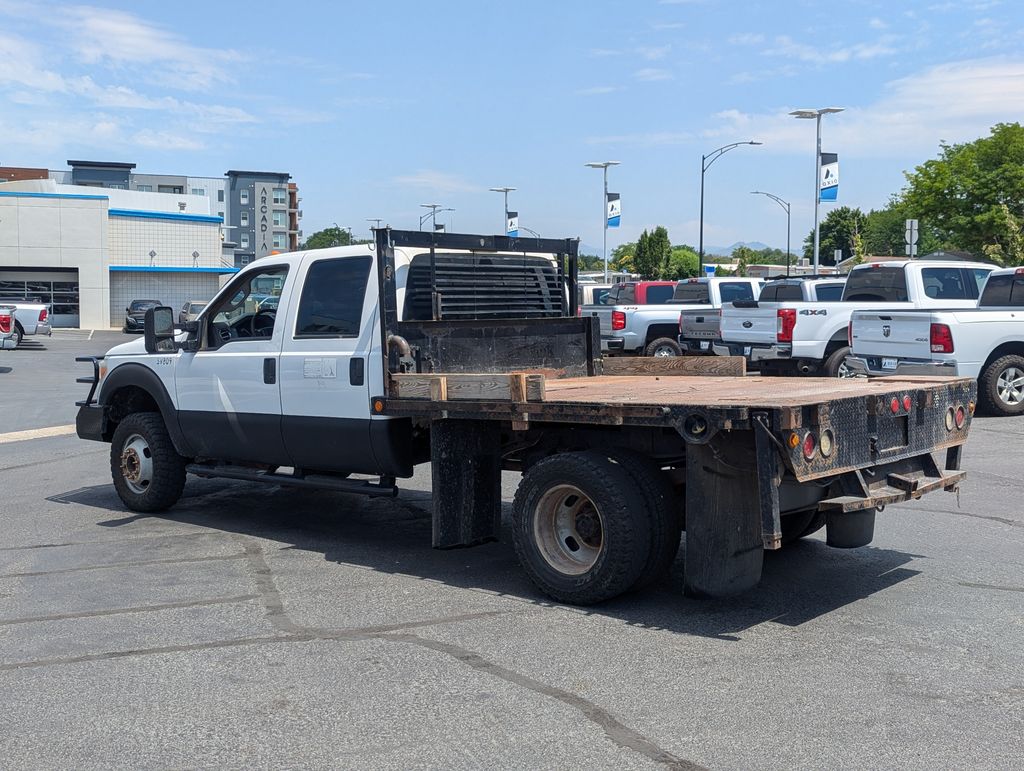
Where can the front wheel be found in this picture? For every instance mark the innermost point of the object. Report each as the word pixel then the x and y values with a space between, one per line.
pixel 148 473
pixel 1001 386
pixel 580 527
pixel 663 346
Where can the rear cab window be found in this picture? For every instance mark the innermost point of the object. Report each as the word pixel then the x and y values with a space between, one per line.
pixel 692 293
pixel 659 295
pixel 732 291
pixel 829 292
pixel 881 284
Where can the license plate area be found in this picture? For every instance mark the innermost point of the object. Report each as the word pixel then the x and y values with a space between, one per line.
pixel 889 363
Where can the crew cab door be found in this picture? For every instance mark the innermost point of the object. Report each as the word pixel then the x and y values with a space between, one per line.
pixel 229 400
pixel 325 368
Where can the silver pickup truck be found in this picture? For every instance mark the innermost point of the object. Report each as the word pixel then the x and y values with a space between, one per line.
pixel 32 319
pixel 7 326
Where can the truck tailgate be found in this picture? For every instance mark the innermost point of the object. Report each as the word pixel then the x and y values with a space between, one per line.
pixel 750 325
pixel 900 334
pixel 700 325
pixel 603 314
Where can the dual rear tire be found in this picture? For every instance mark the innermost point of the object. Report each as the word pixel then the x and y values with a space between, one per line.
pixel 589 526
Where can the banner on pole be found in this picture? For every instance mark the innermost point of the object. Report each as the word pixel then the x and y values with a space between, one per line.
pixel 512 224
pixel 614 210
pixel 828 185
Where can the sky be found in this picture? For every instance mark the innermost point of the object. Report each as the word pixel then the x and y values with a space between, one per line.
pixel 377 108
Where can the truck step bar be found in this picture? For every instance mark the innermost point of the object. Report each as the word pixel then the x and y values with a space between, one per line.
pixel 311 481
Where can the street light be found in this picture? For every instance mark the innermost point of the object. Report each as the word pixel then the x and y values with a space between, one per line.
pixel 784 205
pixel 376 221
pixel 506 191
pixel 434 209
pixel 604 206
pixel 815 115
pixel 705 164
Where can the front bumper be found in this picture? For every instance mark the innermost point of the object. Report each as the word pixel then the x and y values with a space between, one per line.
pixel 91 422
pixel 134 325
pixel 872 367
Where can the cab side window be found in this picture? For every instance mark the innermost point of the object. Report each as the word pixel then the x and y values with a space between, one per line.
pixel 248 309
pixel 332 298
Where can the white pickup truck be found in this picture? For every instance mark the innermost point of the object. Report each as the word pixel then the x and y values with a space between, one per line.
pixel 630 326
pixel 986 343
pixel 7 326
pixel 701 330
pixel 804 338
pixel 33 319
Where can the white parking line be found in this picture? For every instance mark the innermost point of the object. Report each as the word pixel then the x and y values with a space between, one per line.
pixel 36 433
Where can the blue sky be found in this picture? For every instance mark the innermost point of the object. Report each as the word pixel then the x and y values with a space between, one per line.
pixel 375 108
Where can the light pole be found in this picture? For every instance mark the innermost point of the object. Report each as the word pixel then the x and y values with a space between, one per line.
pixel 506 191
pixel 784 205
pixel 816 116
pixel 705 164
pixel 376 221
pixel 604 206
pixel 434 209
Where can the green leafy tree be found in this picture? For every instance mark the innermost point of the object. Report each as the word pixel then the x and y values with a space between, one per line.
pixel 745 257
pixel 884 231
pixel 836 231
pixel 328 237
pixel 682 263
pixel 645 261
pixel 661 248
pixel 622 257
pixel 972 196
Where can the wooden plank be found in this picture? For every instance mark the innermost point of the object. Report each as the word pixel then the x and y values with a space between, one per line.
pixel 727 366
pixel 517 387
pixel 472 387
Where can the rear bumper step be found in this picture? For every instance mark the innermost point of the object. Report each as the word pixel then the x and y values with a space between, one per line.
pixel 895 489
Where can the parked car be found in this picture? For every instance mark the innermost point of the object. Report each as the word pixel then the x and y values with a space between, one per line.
pixel 135 314
pixel 32 319
pixel 643 317
pixel 190 311
pixel 986 343
pixel 8 321
pixel 805 338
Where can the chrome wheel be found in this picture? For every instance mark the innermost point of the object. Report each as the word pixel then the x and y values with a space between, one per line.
pixel 664 350
pixel 1010 386
pixel 137 464
pixel 844 371
pixel 568 530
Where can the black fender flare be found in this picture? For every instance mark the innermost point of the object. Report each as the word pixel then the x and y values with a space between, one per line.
pixel 139 376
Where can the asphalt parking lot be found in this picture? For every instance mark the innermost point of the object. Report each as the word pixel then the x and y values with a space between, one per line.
pixel 255 626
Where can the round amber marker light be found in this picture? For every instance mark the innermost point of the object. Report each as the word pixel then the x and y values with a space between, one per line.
pixel 378 406
pixel 794 440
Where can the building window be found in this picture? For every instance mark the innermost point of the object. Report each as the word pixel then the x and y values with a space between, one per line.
pixel 220 214
pixel 220 196
pixel 116 186
pixel 280 241
pixel 243 241
pixel 145 188
pixel 244 195
pixel 198 191
pixel 176 189
pixel 243 219
pixel 280 195
pixel 279 219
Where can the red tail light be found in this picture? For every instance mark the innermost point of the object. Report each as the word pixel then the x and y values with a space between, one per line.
pixel 5 322
pixel 787 320
pixel 618 320
pixel 942 338
pixel 42 316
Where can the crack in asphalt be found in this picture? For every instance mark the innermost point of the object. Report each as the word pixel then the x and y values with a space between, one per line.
pixel 136 609
pixel 992 586
pixel 140 563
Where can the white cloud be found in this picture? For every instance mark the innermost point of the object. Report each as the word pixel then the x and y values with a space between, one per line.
pixel 651 139
pixel 437 181
pixel 746 39
pixel 953 102
pixel 653 53
pixel 597 90
pixel 785 46
pixel 877 23
pixel 165 140
pixel 651 74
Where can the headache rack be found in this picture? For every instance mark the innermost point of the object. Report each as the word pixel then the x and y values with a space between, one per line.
pixel 479 303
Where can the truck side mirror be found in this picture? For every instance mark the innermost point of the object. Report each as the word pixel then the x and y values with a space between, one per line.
pixel 160 330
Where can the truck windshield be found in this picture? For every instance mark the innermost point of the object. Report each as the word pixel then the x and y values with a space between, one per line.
pixel 143 305
pixel 1003 291
pixel 876 285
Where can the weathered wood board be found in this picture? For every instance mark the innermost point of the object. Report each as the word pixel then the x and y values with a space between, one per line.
pixel 667 366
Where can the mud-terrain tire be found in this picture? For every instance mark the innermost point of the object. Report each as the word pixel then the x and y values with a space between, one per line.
pixel 148 473
pixel 663 346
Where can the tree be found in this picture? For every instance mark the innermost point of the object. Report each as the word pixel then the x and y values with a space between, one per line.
pixel 972 196
pixel 328 237
pixel 645 261
pixel 836 231
pixel 884 231
pixel 661 248
pixel 682 263
pixel 622 257
pixel 745 257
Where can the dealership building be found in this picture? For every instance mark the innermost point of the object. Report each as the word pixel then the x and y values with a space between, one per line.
pixel 91 240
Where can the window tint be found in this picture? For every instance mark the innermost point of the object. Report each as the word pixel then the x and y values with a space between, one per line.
pixel 1003 291
pixel 829 292
pixel 876 285
pixel 980 276
pixel 332 298
pixel 599 295
pixel 657 295
pixel 692 292
pixel 735 290
pixel 945 284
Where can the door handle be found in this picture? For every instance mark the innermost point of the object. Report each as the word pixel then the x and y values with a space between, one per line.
pixel 269 371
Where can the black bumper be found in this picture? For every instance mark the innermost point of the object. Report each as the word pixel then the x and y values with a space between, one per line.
pixel 91 422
